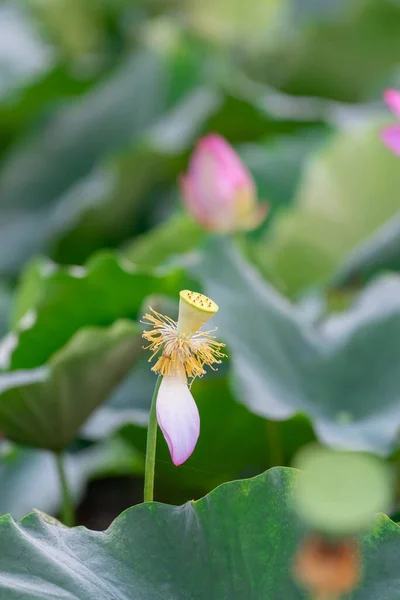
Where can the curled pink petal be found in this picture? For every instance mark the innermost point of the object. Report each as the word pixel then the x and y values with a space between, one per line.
pixel 391 137
pixel 392 99
pixel 178 418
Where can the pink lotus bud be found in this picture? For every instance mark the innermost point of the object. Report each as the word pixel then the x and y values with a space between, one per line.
pixel 218 190
pixel 391 134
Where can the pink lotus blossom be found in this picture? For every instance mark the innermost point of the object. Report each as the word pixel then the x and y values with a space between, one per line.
pixel 218 190
pixel 391 134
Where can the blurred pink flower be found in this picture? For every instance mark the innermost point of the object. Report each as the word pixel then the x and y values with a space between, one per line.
pixel 218 190
pixel 391 134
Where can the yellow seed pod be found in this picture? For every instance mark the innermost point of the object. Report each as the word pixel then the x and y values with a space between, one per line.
pixel 194 310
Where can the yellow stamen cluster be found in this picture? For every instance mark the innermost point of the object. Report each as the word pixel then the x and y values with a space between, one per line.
pixel 184 354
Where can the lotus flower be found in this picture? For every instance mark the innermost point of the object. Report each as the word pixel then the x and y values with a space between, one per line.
pixel 183 349
pixel 218 190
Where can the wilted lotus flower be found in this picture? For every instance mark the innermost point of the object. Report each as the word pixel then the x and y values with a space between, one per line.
pixel 184 352
pixel 391 134
pixel 218 191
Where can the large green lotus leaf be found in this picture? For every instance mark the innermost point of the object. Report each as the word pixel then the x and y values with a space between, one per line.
pixel 46 406
pixel 239 541
pixel 61 300
pixel 380 251
pixel 347 191
pixel 343 373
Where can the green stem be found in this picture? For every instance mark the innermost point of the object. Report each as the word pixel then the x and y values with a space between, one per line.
pixel 67 509
pixel 151 446
pixel 274 444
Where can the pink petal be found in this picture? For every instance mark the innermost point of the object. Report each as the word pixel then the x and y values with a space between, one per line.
pixel 391 137
pixel 178 418
pixel 392 99
pixel 229 163
pixel 212 179
pixel 199 210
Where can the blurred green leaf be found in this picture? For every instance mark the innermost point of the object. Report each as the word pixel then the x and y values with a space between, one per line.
pixel 29 479
pixel 108 288
pixel 380 251
pixel 343 374
pixel 347 191
pixel 115 212
pixel 257 121
pixel 341 58
pixel 340 493
pixel 233 22
pixel 6 301
pixel 24 56
pixel 76 25
pixel 45 407
pixel 35 102
pixel 129 403
pixel 111 457
pixel 277 164
pixel 25 232
pixel 47 182
pixel 309 10
pixel 105 118
pixel 30 288
pixel 157 550
pixel 175 236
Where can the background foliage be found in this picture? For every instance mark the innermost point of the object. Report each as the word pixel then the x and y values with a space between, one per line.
pixel 101 102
